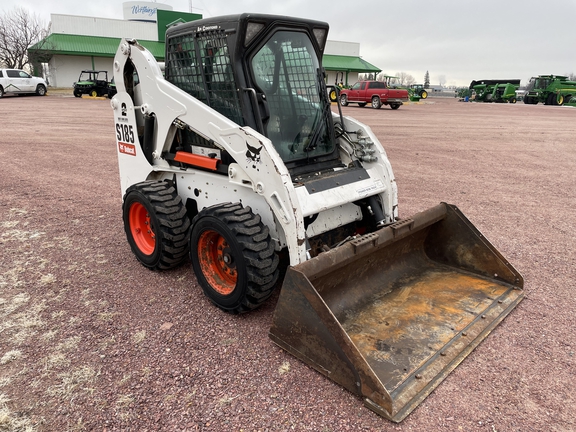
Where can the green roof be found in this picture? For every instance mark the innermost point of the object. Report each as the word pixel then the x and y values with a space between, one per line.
pixel 347 64
pixel 66 44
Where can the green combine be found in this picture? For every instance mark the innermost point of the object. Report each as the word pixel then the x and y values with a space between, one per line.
pixel 551 90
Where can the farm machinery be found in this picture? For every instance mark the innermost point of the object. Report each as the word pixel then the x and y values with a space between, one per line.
pixel 417 92
pixel 231 157
pixel 550 90
pixel 495 90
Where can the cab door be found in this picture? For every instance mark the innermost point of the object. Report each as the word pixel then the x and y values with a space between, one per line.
pixel 357 92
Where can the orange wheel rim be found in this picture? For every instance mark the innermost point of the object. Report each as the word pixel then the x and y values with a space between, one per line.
pixel 141 228
pixel 217 262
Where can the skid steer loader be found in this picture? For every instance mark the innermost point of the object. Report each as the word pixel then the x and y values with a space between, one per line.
pixel 231 154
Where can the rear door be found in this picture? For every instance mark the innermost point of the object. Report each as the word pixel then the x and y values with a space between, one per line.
pixel 376 89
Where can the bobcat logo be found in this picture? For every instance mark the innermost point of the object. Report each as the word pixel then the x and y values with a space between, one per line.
pixel 253 155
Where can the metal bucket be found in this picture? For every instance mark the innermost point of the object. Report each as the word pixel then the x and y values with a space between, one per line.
pixel 390 314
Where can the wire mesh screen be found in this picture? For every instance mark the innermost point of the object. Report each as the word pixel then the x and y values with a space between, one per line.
pixel 286 70
pixel 200 65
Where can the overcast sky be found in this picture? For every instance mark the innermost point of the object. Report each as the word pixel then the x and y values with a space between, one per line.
pixel 457 41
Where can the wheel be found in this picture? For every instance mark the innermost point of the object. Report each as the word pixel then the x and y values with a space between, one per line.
pixel 93 93
pixel 77 93
pixel 424 94
pixel 559 100
pixel 1 91
pixel 550 99
pixel 362 104
pixel 40 90
pixel 376 103
pixel 512 100
pixel 233 257
pixel 333 96
pixel 344 100
pixel 394 106
pixel 156 224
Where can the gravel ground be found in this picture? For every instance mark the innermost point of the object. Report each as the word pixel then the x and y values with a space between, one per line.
pixel 91 340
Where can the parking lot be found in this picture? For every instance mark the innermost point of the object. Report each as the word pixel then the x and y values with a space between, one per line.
pixel 91 340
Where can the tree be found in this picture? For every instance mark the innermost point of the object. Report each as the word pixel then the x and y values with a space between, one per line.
pixel 427 80
pixel 405 79
pixel 19 30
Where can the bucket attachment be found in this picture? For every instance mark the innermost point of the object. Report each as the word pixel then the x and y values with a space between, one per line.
pixel 390 314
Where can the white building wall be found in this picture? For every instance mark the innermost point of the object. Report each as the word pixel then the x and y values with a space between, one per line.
pixel 333 78
pixel 103 27
pixel 64 70
pixel 350 49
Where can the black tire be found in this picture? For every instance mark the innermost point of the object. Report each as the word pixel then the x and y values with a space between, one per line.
pixel 1 91
pixel 376 102
pixel 77 93
pixel 156 206
pixel 550 99
pixel 423 94
pixel 344 100
pixel 394 106
pixel 41 90
pixel 233 257
pixel 362 104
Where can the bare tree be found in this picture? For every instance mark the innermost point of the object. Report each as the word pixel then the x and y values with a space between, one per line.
pixel 19 30
pixel 405 79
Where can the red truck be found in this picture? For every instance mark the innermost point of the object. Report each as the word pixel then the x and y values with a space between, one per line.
pixel 376 92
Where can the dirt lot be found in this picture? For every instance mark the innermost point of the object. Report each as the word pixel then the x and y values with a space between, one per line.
pixel 91 340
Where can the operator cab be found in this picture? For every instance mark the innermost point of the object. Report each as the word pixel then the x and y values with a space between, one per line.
pixel 261 71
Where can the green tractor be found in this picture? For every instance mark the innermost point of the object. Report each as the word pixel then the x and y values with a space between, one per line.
pixel 550 90
pixel 417 92
pixel 495 90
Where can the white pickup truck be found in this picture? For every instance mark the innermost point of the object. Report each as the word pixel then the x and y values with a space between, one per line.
pixel 19 82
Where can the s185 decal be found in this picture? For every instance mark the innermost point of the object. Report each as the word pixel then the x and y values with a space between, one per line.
pixel 125 133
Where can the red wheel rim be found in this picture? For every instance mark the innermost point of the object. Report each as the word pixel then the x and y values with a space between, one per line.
pixel 141 228
pixel 217 262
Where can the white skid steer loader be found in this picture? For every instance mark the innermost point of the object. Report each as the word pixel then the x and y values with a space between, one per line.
pixel 234 157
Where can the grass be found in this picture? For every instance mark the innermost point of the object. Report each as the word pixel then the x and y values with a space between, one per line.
pixel 139 336
pixel 10 356
pixel 284 368
pixel 73 382
pixel 11 422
